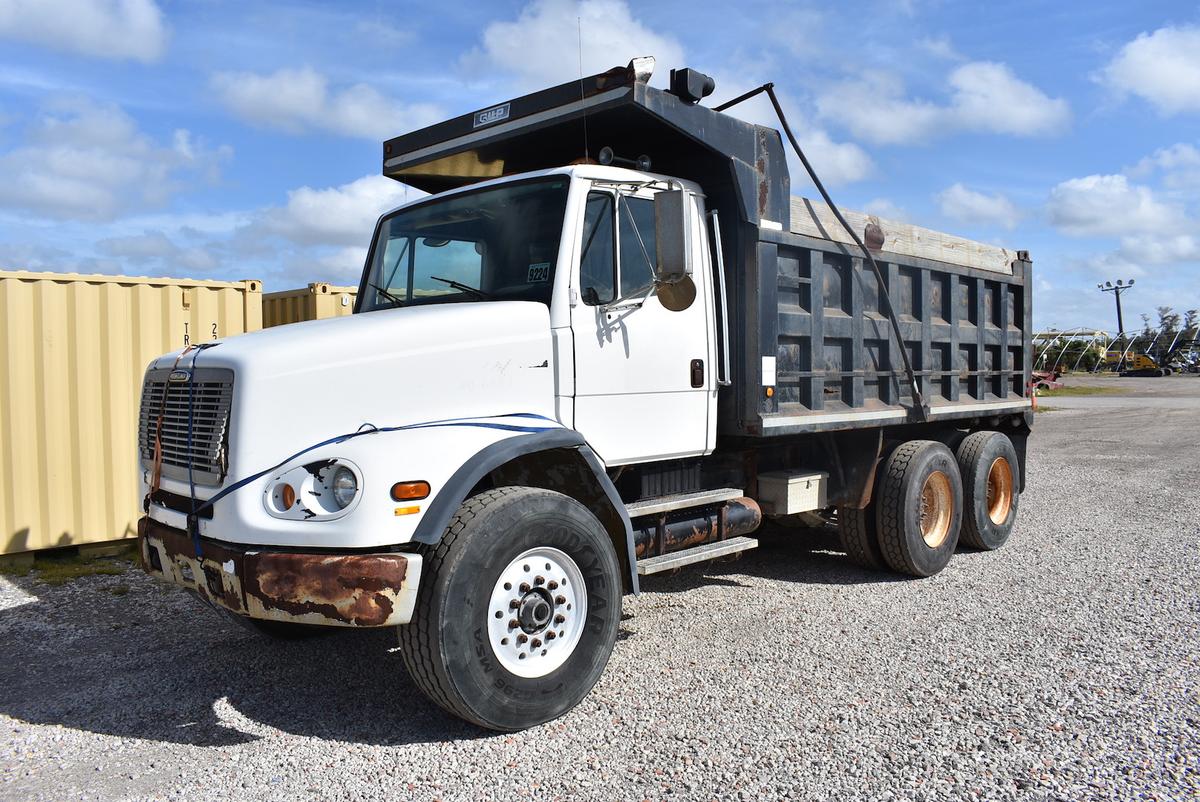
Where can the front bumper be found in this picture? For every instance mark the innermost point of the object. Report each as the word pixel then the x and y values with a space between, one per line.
pixel 344 590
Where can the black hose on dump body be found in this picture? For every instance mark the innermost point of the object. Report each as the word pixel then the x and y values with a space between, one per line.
pixel 769 88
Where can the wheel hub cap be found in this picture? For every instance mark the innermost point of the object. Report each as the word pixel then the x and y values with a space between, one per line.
pixel 999 490
pixel 534 612
pixel 937 509
pixel 537 611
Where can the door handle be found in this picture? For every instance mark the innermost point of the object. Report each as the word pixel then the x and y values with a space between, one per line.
pixel 697 372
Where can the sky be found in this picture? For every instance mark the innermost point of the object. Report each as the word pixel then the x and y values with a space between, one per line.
pixel 230 140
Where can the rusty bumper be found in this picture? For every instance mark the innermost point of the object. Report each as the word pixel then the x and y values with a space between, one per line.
pixel 345 590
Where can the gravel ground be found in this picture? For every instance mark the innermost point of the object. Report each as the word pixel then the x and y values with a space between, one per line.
pixel 1063 666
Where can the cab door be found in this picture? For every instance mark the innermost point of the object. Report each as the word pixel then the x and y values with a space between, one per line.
pixel 645 387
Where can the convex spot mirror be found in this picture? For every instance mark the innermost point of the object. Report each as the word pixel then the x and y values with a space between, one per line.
pixel 673 268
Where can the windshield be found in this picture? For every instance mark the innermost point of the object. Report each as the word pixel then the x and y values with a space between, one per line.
pixel 499 243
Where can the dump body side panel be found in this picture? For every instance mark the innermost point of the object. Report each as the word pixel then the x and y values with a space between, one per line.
pixel 815 332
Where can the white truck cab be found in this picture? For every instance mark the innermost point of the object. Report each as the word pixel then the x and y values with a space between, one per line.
pixel 552 385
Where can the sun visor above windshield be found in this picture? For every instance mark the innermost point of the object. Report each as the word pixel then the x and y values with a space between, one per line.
pixel 572 122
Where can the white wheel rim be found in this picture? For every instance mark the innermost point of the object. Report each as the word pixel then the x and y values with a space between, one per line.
pixel 537 610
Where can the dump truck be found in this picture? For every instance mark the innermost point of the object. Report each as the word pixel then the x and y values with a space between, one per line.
pixel 607 344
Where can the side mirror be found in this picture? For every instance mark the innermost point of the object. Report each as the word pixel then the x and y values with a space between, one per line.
pixel 673 268
pixel 670 236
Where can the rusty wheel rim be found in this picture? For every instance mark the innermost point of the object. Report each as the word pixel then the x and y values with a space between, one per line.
pixel 999 490
pixel 937 509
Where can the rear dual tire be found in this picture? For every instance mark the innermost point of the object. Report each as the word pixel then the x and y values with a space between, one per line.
pixel 991 489
pixel 919 508
pixel 926 500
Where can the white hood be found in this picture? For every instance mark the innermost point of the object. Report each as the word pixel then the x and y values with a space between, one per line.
pixel 300 384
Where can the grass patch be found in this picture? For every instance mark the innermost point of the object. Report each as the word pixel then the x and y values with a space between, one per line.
pixel 1081 389
pixel 1047 409
pixel 59 569
pixel 15 568
pixel 119 590
pixel 60 566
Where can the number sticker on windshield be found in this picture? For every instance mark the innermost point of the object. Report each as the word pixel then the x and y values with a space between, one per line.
pixel 539 273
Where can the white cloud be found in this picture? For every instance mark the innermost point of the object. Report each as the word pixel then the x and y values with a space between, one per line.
pixel 344 265
pixel 87 161
pixel 155 249
pixel 1109 206
pixel 1161 250
pixel 984 96
pixel 989 97
pixel 876 109
pixel 336 215
pixel 975 208
pixel 1161 67
pixel 1179 165
pixel 116 29
pixel 939 47
pixel 301 100
pixel 542 46
pixel 886 209
pixel 836 163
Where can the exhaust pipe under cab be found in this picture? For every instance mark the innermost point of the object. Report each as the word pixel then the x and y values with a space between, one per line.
pixel 687 528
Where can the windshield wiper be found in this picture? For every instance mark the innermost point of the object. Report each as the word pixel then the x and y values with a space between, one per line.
pixel 396 301
pixel 458 285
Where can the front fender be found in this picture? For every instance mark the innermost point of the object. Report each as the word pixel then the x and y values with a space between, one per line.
pixel 508 451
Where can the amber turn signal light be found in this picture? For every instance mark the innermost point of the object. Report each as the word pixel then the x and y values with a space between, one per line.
pixel 410 491
pixel 287 495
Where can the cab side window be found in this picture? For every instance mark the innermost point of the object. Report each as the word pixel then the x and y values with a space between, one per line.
pixel 636 235
pixel 598 265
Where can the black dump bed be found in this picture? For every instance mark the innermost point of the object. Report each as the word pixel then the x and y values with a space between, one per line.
pixel 812 347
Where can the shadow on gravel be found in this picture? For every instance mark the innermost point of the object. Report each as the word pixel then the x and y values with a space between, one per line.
pixel 158 665
pixel 807 556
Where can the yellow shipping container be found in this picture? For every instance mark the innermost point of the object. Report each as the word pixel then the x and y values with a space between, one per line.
pixel 73 354
pixel 314 302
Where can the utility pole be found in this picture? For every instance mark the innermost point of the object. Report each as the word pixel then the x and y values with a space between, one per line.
pixel 1116 290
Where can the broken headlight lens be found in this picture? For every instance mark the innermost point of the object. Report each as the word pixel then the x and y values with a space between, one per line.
pixel 345 487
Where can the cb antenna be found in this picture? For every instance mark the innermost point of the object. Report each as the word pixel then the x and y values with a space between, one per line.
pixel 579 31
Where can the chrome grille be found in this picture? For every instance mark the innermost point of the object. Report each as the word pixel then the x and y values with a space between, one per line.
pixel 212 394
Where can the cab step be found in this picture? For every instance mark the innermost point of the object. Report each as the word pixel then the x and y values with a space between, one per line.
pixel 707 551
pixel 682 501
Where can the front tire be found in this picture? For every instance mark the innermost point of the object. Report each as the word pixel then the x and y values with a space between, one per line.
pixel 517 611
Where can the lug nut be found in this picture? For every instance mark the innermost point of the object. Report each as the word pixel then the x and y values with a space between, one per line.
pixel 539 580
pixel 553 585
pixel 513 623
pixel 514 604
pixel 522 638
pixel 537 644
pixel 560 599
pixel 558 619
pixel 551 635
pixel 524 587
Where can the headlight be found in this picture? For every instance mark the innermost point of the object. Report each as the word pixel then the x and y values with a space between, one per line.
pixel 345 487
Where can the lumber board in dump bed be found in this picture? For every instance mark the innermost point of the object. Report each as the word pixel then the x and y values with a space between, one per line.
pixel 814 219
